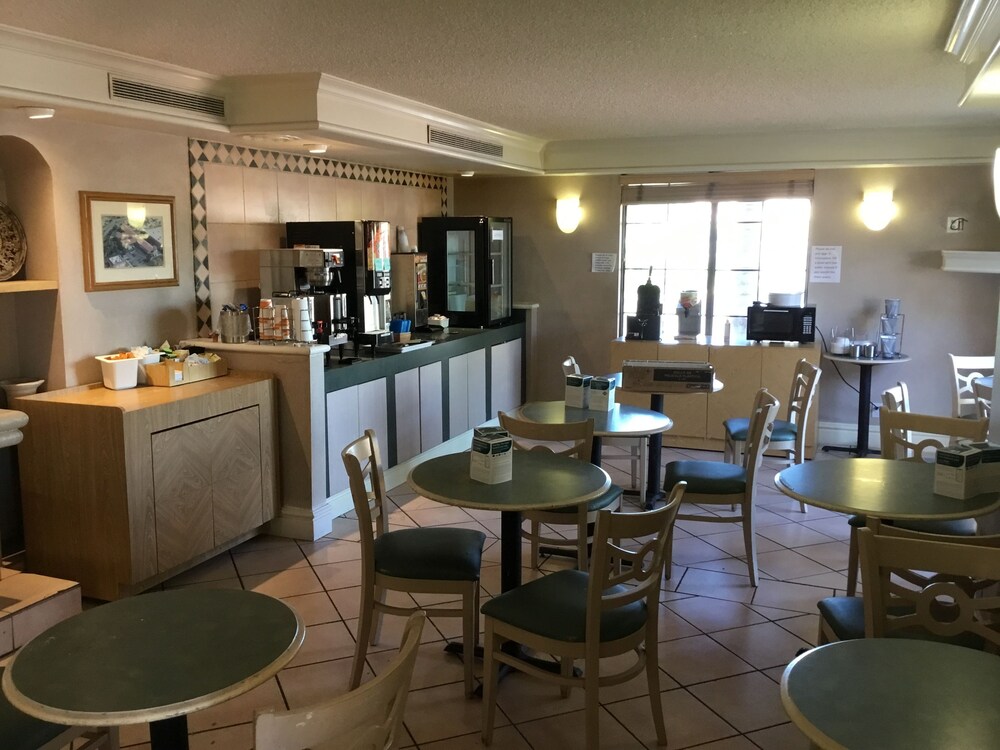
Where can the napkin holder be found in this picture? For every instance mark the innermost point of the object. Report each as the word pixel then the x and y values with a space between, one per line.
pixel 492 457
pixel 578 391
pixel 602 394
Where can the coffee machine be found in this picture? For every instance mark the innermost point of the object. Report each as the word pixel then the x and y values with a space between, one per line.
pixel 365 279
pixel 312 272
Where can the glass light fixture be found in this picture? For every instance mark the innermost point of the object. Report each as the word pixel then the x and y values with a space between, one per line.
pixel 136 214
pixel 317 148
pixel 568 213
pixel 38 113
pixel 877 209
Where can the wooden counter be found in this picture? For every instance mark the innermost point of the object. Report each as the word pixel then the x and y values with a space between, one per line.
pixel 123 489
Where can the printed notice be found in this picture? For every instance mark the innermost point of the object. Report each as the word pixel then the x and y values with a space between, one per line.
pixel 603 262
pixel 825 266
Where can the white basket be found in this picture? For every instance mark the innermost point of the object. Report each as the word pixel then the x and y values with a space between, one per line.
pixel 119 374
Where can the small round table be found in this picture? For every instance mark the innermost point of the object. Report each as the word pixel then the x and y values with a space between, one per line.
pixel 880 488
pixel 864 396
pixel 894 693
pixel 153 657
pixel 539 481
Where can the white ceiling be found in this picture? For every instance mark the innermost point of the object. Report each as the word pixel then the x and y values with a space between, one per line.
pixel 571 70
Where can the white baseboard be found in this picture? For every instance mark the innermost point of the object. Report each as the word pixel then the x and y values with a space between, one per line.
pixel 845 434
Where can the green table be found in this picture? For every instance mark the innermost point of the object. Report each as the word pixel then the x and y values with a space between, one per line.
pixel 891 693
pixel 880 488
pixel 153 657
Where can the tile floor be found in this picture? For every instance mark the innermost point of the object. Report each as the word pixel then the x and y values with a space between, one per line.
pixel 723 644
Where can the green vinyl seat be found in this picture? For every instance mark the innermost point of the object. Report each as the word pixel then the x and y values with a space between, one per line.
pixel 709 477
pixel 432 553
pixel 784 431
pixel 845 616
pixel 611 497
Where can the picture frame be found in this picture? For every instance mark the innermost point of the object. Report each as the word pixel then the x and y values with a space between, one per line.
pixel 128 241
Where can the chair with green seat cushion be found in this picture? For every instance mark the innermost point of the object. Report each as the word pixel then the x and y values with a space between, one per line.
pixel 723 483
pixel 909 436
pixel 573 439
pixel 919 585
pixel 436 560
pixel 18 731
pixel 611 610
pixel 788 434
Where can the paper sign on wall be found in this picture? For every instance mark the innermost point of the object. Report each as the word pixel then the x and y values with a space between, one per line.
pixel 825 265
pixel 603 262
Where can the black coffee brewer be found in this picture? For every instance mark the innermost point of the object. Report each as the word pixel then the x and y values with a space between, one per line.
pixel 645 324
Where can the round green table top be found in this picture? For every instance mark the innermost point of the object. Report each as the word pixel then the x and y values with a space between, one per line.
pixel 895 693
pixel 153 656
pixel 878 487
pixel 621 421
pixel 539 480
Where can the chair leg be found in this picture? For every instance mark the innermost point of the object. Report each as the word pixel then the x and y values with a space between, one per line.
pixel 365 629
pixel 643 463
pixel 653 682
pixel 592 704
pixel 668 557
pixel 470 604
pixel 750 541
pixel 822 636
pixel 535 526
pixel 796 456
pixel 490 679
pixel 565 670
pixel 581 539
pixel 852 564
pixel 377 629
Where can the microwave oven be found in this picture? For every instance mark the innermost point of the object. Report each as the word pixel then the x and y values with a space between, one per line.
pixel 780 323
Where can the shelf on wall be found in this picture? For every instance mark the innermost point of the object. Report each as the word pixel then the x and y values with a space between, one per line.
pixel 9 287
pixel 970 261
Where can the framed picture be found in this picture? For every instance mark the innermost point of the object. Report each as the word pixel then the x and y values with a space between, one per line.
pixel 128 241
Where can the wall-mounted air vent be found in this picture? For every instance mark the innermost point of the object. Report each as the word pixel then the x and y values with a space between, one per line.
pixel 463 143
pixel 137 91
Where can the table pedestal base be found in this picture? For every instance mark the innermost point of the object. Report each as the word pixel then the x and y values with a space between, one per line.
pixel 654 492
pixel 169 734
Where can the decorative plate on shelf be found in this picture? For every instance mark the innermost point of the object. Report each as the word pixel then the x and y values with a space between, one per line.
pixel 13 245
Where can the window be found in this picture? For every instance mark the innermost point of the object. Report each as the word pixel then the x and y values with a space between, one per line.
pixel 732 238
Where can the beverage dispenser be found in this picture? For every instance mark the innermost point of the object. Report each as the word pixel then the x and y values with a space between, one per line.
pixel 307 272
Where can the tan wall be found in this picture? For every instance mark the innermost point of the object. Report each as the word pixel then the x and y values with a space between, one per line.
pixel 945 311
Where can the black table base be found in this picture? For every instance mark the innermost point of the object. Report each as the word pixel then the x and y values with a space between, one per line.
pixel 654 492
pixel 864 413
pixel 169 734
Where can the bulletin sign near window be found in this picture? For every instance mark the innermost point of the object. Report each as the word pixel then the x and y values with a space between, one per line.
pixel 733 237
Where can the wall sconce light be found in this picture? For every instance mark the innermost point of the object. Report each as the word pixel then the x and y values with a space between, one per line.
pixel 316 148
pixel 996 181
pixel 467 173
pixel 136 214
pixel 568 213
pixel 38 113
pixel 877 209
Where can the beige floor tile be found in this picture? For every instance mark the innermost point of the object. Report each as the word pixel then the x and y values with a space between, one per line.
pixel 730 743
pixel 433 667
pixel 781 737
pixel 671 626
pixel 763 645
pixel 264 540
pixel 792 596
pixel 566 731
pixel 710 615
pixel 443 515
pixel 344 527
pixel 313 608
pixel 284 583
pixel 239 737
pixel 347 601
pixel 391 634
pixel 524 698
pixel 269 559
pixel 699 659
pixel 694 550
pixel 217 568
pixel 689 722
pixel 787 564
pixel 442 712
pixel 504 738
pixel 239 710
pixel 327 551
pixel 313 683
pixel 831 554
pixel 834 526
pixel 716 585
pixel 829 580
pixel 226 583
pixel 736 566
pixel 804 626
pixel 792 535
pixel 732 542
pixel 325 642
pixel 339 575
pixel 748 702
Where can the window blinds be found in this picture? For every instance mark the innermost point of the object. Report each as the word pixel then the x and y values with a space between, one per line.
pixel 719 186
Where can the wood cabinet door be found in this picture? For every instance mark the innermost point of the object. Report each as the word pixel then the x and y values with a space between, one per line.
pixel 505 377
pixel 738 367
pixel 431 406
pixel 237 487
pixel 182 493
pixel 407 385
pixel 342 427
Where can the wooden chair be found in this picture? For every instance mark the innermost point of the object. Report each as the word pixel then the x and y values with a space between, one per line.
pixel 909 437
pixel 789 434
pixel 723 483
pixel 984 399
pixel 573 439
pixel 637 447
pixel 965 371
pixel 897 398
pixel 573 615
pixel 431 560
pixel 368 718
pixel 919 585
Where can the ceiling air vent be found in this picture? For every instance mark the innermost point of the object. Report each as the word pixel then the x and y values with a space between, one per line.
pixel 137 91
pixel 463 143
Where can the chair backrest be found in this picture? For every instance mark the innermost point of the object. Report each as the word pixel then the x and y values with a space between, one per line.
pixel 368 718
pixel 637 571
pixel 897 398
pixel 984 399
pixel 570 367
pixel 765 409
pixel 947 600
pixel 573 439
pixel 965 370
pixel 896 426
pixel 804 384
pixel 363 462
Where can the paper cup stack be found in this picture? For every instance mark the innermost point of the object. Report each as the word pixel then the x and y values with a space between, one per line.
pixel 265 321
pixel 301 319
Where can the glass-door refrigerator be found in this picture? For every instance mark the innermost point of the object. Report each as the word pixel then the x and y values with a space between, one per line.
pixel 468 268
